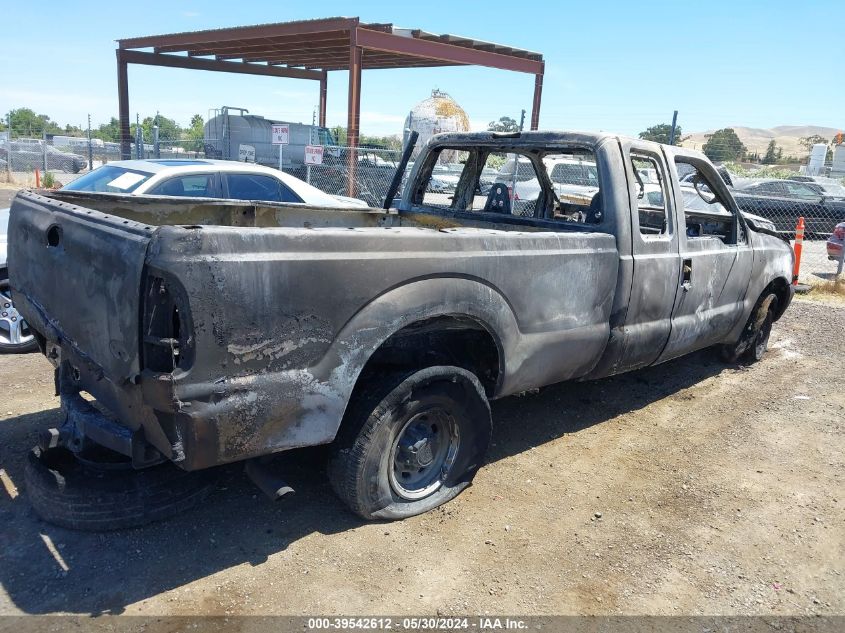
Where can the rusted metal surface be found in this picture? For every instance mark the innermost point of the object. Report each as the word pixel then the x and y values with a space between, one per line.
pixel 123 106
pixel 354 115
pixel 216 339
pixel 538 97
pixel 198 63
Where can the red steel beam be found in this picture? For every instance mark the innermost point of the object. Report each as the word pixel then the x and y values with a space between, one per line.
pixel 227 48
pixel 123 107
pixel 354 114
pixel 323 94
pixel 334 47
pixel 538 95
pixel 387 42
pixel 191 39
pixel 193 63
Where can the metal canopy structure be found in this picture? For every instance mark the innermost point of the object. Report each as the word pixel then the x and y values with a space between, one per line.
pixel 309 49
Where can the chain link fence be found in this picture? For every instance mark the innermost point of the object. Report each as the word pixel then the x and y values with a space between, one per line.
pixel 779 193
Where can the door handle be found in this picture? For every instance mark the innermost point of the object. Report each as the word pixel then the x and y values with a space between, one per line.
pixel 686 280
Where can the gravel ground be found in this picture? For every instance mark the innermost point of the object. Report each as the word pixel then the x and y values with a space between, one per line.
pixel 687 488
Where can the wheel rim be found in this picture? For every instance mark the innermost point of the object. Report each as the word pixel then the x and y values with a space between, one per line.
pixel 423 454
pixel 13 329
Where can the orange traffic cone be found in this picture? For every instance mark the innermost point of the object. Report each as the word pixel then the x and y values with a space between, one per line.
pixel 799 244
pixel 37 179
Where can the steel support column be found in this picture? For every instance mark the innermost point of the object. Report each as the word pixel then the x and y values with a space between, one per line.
pixel 354 114
pixel 323 94
pixel 538 95
pixel 123 106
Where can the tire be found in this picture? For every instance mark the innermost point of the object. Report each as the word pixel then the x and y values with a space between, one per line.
pixel 376 466
pixel 27 343
pixel 69 493
pixel 754 341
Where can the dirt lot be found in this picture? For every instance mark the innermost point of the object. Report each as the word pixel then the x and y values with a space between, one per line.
pixel 685 488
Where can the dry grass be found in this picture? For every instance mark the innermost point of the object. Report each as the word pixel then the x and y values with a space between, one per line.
pixel 832 291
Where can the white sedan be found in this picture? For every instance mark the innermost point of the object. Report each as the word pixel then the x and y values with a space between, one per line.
pixel 202 178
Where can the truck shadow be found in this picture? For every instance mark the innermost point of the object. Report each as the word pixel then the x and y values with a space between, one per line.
pixel 45 569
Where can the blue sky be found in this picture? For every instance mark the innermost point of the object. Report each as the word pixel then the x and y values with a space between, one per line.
pixel 614 66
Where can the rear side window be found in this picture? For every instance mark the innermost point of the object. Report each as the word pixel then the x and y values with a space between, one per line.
pixel 192 185
pixel 259 187
pixel 650 188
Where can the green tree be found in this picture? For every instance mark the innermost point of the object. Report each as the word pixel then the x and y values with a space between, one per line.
pixel 195 133
pixel 339 134
pixel 168 129
pixel 504 124
pixel 807 142
pixel 25 122
pixel 109 132
pixel 773 153
pixel 724 145
pixel 661 132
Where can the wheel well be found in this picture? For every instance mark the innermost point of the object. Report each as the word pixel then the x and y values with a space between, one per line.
pixel 448 340
pixel 781 289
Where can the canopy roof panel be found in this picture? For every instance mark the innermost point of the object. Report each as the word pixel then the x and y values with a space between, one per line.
pixel 324 45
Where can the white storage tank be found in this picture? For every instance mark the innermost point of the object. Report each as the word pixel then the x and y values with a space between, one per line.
pixel 439 113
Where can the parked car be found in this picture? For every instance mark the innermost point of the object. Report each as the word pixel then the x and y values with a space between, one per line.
pixel 384 334
pixel 572 179
pixel 204 178
pixel 829 186
pixel 835 242
pixel 784 201
pixel 26 156
pixel 15 335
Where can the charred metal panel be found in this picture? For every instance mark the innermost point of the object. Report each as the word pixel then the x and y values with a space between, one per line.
pixel 286 319
pixel 76 275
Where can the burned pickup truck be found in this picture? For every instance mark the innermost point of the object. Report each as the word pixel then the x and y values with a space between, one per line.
pixel 197 333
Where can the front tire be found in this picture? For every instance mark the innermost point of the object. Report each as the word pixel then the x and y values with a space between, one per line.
pixel 411 445
pixel 754 341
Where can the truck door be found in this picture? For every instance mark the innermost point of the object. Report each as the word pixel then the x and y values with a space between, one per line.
pixel 716 259
pixel 654 248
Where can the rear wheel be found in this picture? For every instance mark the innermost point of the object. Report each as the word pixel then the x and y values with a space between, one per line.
pixel 15 334
pixel 412 444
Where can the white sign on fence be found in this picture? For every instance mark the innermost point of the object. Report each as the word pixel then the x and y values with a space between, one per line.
pixel 281 134
pixel 313 154
pixel 246 153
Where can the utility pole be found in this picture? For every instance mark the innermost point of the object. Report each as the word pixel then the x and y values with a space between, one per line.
pixel 139 137
pixel 9 145
pixel 90 149
pixel 156 146
pixel 674 125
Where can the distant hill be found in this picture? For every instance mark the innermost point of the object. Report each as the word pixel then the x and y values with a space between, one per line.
pixel 757 139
